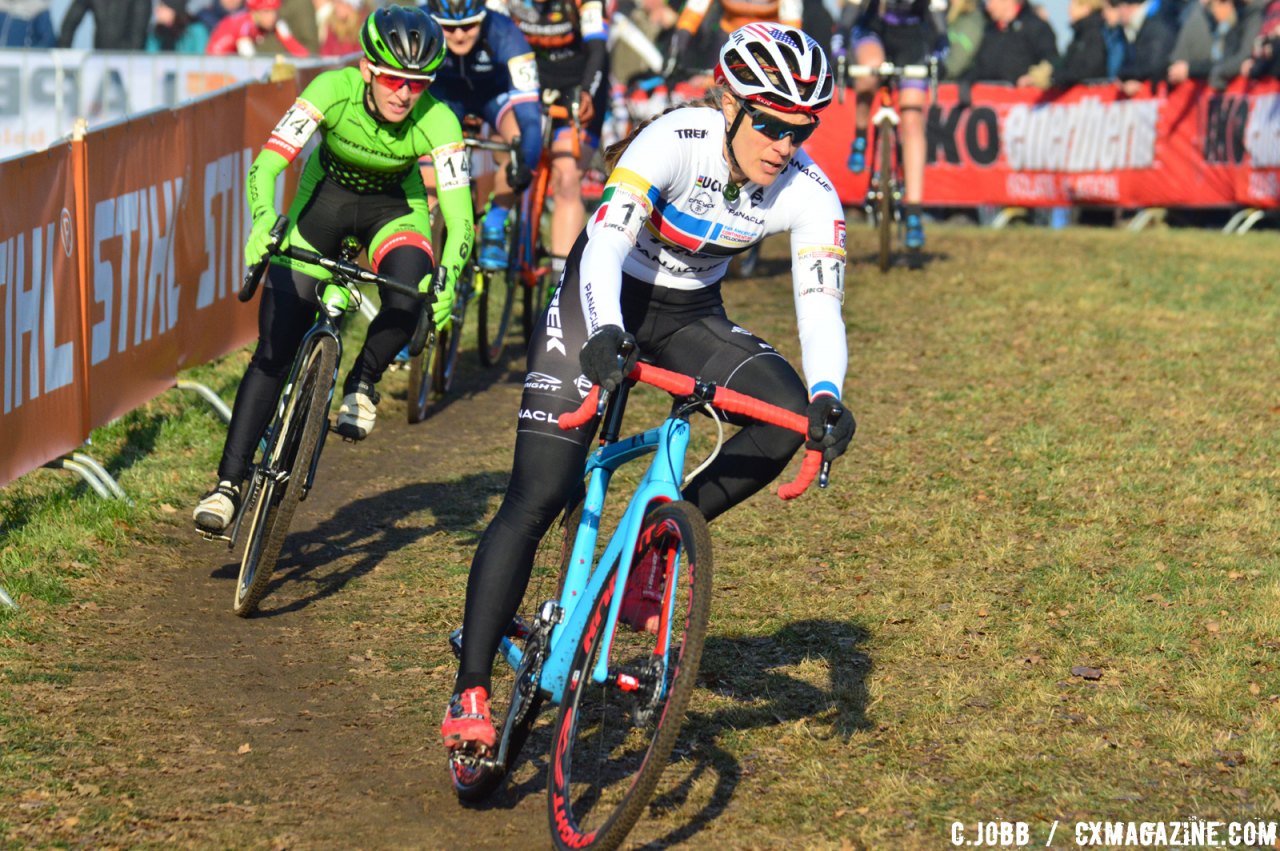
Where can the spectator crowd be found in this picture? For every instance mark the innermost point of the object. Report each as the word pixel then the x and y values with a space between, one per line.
pixel 1136 43
pixel 243 27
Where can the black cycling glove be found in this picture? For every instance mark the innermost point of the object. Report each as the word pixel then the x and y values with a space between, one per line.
pixel 519 176
pixel 600 357
pixel 833 443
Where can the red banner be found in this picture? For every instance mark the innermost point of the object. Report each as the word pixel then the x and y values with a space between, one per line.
pixel 225 134
pixel 40 321
pixel 137 175
pixel 120 265
pixel 1188 146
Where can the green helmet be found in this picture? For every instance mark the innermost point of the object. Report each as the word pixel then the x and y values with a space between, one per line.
pixel 403 39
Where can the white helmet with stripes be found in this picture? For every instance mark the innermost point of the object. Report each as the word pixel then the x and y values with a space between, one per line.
pixel 777 66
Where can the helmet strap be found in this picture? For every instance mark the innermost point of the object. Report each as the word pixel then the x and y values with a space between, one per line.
pixel 371 105
pixel 732 189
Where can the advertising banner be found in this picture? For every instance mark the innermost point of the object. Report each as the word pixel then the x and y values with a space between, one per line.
pixel 138 179
pixel 42 414
pixel 1188 146
pixel 43 92
pixel 225 134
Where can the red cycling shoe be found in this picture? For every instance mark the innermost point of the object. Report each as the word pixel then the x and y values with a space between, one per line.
pixel 467 721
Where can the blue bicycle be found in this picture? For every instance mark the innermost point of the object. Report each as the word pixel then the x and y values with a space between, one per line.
pixel 622 687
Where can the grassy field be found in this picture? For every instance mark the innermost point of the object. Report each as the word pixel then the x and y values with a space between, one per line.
pixel 1043 587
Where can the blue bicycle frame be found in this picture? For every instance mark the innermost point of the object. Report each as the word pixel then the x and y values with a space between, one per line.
pixel 661 483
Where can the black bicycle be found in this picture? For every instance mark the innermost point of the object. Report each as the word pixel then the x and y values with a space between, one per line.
pixel 431 373
pixel 289 454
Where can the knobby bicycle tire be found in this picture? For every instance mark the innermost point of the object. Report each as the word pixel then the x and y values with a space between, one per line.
pixel 305 415
pixel 446 366
pixel 498 299
pixel 611 743
pixel 551 560
pixel 884 208
pixel 420 396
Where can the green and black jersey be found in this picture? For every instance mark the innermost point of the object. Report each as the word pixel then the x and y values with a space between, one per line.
pixel 370 157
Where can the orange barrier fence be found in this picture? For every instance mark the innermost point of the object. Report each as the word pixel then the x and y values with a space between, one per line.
pixel 120 257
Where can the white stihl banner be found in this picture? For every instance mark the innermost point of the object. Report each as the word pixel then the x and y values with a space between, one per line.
pixel 43 92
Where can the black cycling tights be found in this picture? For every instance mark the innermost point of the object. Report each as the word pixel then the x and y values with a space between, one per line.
pixel 684 332
pixel 288 309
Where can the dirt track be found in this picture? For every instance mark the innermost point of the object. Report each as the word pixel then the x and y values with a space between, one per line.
pixel 291 729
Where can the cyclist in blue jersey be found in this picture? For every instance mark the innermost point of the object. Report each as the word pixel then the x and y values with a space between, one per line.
pixel 905 32
pixel 569 39
pixel 490 71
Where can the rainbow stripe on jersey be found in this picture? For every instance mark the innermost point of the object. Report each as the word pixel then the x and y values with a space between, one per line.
pixel 666 222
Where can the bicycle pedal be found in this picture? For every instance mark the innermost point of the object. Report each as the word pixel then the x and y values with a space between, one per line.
pixel 214 536
pixel 455 643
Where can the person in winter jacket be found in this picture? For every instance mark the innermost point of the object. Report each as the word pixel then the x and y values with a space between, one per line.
pixel 1085 58
pixel 258 29
pixel 117 24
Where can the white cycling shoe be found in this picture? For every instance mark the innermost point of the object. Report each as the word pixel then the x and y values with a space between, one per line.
pixel 358 413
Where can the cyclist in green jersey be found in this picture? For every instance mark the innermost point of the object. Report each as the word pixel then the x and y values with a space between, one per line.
pixel 362 181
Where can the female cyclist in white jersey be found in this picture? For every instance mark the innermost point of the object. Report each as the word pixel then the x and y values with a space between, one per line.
pixel 690 190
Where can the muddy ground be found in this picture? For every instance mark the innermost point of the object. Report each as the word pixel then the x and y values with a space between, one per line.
pixel 183 724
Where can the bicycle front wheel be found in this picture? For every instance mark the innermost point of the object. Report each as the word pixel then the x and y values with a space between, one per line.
pixel 421 394
pixel 498 299
pixel 612 740
pixel 446 365
pixel 884 205
pixel 273 498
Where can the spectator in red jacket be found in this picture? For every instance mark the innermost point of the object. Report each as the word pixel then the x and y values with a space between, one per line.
pixel 258 29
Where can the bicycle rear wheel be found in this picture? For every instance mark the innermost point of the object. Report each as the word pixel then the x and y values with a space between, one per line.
pixel 498 298
pixel 273 498
pixel 612 740
pixel 884 204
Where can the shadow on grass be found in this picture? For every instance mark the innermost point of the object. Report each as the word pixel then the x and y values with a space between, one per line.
pixel 748 671
pixel 369 530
